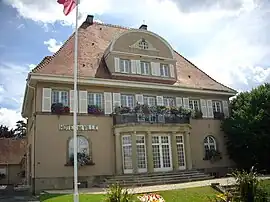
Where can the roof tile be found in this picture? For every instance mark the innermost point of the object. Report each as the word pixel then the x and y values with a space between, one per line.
pixel 92 43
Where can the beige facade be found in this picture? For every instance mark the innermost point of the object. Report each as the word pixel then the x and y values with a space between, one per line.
pixel 121 67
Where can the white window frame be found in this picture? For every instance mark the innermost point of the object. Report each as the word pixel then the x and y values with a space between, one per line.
pixel 169 101
pixel 149 99
pixel 126 68
pixel 163 71
pixel 60 92
pixel 181 137
pixel 207 143
pixel 214 103
pixel 129 145
pixel 192 104
pixel 81 148
pixel 127 97
pixel 144 66
pixel 140 145
pixel 95 95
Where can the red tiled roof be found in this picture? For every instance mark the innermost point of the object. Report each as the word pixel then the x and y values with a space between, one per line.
pixel 92 43
pixel 12 151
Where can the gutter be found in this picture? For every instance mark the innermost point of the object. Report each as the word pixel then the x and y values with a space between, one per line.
pixel 126 84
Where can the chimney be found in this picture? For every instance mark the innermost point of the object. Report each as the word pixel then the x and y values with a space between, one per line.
pixel 90 19
pixel 143 27
pixel 88 22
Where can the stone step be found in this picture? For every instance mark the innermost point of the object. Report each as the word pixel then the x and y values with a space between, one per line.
pixel 160 174
pixel 166 181
pixel 153 178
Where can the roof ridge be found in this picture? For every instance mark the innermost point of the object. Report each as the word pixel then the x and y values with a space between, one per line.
pixel 203 71
pixel 116 26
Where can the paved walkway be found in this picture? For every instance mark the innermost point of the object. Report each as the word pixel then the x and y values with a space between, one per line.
pixel 156 188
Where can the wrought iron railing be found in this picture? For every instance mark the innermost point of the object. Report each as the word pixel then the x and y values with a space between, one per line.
pixel 149 118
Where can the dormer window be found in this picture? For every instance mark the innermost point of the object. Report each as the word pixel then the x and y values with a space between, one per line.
pixel 143 44
pixel 125 66
pixel 164 70
pixel 145 68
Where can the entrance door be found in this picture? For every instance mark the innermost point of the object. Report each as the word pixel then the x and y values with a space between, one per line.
pixel 141 154
pixel 127 154
pixel 162 155
pixel 180 152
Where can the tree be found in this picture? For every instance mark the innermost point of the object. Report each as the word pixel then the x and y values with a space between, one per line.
pixel 20 130
pixel 248 129
pixel 5 132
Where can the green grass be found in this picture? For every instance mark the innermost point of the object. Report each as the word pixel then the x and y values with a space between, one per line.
pixel 198 194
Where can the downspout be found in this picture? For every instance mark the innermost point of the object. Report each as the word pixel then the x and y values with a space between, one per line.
pixel 33 147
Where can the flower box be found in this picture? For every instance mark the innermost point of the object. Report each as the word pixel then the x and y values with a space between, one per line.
pixel 82 159
pixel 59 108
pixel 219 115
pixel 93 109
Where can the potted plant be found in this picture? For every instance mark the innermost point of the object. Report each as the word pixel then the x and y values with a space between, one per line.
pixel 57 108
pixel 2 176
pixel 125 110
pixel 93 109
pixel 82 158
pixel 197 114
pixel 66 109
pixel 219 115
pixel 174 110
pixel 145 109
pixel 212 155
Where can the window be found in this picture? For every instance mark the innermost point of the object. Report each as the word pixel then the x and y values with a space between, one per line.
pixel 143 44
pixel 83 147
pixel 169 101
pixel 127 101
pixel 164 70
pixel 209 144
pixel 124 66
pixel 95 99
pixel 60 97
pixel 149 100
pixel 217 106
pixel 145 68
pixel 194 104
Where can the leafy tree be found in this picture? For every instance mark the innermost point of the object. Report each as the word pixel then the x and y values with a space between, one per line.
pixel 248 129
pixel 20 130
pixel 5 132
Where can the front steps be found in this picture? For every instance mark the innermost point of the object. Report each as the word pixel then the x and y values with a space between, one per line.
pixel 149 179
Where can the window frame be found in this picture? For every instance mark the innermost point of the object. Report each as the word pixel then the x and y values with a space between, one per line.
pixel 214 105
pixel 143 45
pixel 170 100
pixel 127 96
pixel 209 144
pixel 60 91
pixel 95 99
pixel 71 146
pixel 162 69
pixel 143 67
pixel 193 105
pixel 148 97
pixel 126 68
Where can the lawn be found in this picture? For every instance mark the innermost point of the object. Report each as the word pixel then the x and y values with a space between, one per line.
pixel 198 194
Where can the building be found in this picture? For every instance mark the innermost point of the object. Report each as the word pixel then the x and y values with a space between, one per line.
pixel 12 158
pixel 124 67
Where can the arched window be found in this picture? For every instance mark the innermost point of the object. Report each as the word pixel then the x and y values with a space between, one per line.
pixel 210 144
pixel 83 147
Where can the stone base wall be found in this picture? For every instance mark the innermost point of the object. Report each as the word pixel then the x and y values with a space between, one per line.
pixel 61 183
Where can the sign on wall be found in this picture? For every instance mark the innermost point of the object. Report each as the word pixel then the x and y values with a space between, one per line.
pixel 67 127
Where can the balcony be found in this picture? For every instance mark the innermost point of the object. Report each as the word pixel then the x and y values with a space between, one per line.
pixel 150 118
pixel 155 114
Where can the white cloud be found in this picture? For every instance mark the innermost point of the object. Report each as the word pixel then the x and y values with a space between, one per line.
pixel 9 117
pixel 12 86
pixel 53 45
pixel 232 45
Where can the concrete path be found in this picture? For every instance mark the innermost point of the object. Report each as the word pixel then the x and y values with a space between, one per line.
pixel 156 188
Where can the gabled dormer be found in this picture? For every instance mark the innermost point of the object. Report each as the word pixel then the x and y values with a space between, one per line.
pixel 141 54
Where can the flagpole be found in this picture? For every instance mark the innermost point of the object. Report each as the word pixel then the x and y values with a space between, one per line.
pixel 76 194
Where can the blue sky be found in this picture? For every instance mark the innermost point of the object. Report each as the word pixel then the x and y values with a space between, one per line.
pixel 228 39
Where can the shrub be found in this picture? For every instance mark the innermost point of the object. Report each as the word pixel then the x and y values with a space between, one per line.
pixel 116 193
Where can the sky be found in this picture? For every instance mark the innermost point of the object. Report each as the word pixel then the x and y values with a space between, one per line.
pixel 228 39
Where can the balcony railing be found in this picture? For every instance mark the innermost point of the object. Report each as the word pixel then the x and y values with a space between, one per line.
pixel 150 118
